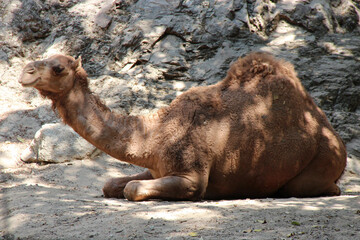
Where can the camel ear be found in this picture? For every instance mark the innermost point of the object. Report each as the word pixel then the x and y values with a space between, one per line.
pixel 77 64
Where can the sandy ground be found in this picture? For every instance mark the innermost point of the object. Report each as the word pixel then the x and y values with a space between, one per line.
pixel 64 201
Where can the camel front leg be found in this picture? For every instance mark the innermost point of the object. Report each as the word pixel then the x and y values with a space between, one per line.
pixel 114 188
pixel 166 188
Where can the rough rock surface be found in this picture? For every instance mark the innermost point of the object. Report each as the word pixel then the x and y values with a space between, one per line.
pixel 55 143
pixel 141 54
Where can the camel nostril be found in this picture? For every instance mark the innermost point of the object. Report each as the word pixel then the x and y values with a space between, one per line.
pixel 30 70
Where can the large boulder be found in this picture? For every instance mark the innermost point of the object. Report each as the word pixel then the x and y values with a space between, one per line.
pixel 55 143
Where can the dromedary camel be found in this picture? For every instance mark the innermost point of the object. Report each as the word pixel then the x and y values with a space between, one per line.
pixel 257 133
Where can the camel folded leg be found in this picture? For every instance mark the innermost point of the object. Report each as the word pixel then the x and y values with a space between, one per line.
pixel 317 179
pixel 114 187
pixel 301 187
pixel 167 188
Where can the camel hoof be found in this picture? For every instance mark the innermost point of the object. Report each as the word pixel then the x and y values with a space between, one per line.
pixel 112 190
pixel 131 191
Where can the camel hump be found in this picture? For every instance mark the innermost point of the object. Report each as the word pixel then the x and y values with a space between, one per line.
pixel 255 65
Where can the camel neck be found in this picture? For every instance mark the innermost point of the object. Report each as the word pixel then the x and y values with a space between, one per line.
pixel 120 136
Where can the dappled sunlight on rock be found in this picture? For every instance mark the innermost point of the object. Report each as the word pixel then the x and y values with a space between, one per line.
pixel 289 36
pixel 338 50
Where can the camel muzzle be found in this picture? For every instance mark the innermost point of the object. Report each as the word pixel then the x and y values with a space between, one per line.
pixel 30 76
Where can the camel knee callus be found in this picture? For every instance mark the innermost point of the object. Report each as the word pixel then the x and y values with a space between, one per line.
pixel 256 133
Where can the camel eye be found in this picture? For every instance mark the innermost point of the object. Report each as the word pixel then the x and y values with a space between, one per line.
pixel 57 69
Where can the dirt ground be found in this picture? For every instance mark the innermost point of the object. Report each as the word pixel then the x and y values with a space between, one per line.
pixel 64 201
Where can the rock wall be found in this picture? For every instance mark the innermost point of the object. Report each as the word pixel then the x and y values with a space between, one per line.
pixel 140 54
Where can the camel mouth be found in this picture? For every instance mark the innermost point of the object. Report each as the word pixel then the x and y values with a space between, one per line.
pixel 30 84
pixel 29 78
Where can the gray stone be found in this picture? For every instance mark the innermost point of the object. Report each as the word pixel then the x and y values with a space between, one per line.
pixel 57 143
pixel 103 20
pixel 3 56
pixel 32 20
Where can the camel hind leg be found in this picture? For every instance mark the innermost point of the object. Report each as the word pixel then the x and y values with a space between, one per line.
pixel 320 176
pixel 306 184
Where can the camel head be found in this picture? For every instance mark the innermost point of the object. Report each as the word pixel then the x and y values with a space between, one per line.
pixel 55 74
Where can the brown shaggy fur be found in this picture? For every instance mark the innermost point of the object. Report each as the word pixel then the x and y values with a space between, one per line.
pixel 257 133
